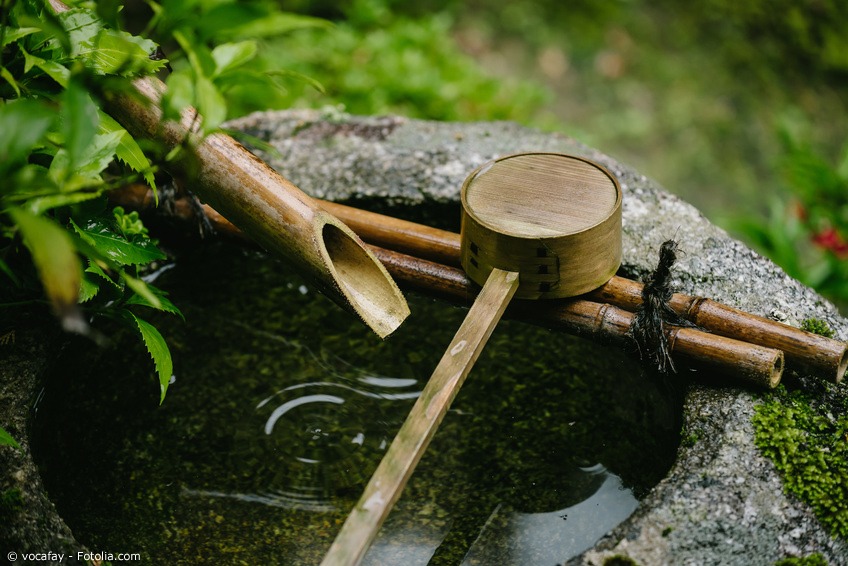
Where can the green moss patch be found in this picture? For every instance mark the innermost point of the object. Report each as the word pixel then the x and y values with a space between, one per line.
pixel 805 433
pixel 811 560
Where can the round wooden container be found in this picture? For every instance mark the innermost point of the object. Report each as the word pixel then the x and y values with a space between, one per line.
pixel 553 218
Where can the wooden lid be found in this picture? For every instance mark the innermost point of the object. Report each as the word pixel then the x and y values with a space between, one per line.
pixel 540 195
pixel 554 218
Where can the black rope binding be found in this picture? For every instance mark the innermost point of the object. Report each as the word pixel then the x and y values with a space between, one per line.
pixel 648 326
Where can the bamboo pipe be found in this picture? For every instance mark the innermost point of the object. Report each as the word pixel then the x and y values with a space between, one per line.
pixel 270 209
pixel 812 352
pixel 755 364
pixel 817 354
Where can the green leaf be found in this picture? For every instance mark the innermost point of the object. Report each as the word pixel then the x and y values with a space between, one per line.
pixel 231 21
pixel 210 104
pixel 96 156
pixel 89 287
pixel 180 94
pixel 228 56
pixel 298 76
pixel 122 53
pixel 7 76
pixel 55 71
pixel 158 350
pixel 164 305
pixel 276 24
pixel 128 150
pixel 55 259
pixel 95 269
pixel 112 245
pixel 15 34
pixel 83 27
pixel 23 124
pixel 7 440
pixel 79 120
pixel 39 205
pixel 197 54
pixel 140 288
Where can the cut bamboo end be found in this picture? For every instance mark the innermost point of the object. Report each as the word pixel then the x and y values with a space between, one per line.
pixel 271 210
pixel 804 350
pixel 361 278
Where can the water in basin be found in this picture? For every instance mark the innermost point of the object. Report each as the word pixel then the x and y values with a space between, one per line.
pixel 282 405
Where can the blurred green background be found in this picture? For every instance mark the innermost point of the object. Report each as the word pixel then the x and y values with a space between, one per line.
pixel 738 107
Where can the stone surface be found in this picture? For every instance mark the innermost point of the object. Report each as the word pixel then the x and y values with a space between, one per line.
pixel 722 502
pixel 29 522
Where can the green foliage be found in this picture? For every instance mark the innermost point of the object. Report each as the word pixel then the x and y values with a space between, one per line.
pixel 808 442
pixel 216 65
pixel 60 153
pixel 807 234
pixel 798 35
pixel 54 157
pixel 379 61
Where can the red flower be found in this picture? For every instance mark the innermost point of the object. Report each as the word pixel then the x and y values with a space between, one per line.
pixel 830 239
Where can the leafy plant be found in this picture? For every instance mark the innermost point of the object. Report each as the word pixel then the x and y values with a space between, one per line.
pixel 55 153
pixel 376 60
pixel 60 152
pixel 807 233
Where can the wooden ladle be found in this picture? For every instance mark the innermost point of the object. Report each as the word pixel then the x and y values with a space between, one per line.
pixel 535 226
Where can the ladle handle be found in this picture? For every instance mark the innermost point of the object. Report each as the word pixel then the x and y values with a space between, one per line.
pixel 412 440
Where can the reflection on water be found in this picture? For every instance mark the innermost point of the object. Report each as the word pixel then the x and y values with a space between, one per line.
pixel 539 538
pixel 284 405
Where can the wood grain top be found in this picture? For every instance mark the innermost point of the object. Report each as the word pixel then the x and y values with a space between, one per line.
pixel 540 195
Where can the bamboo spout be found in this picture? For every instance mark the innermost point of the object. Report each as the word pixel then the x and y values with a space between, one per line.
pixel 271 210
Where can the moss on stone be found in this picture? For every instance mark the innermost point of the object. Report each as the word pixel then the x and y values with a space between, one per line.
pixel 817 326
pixel 620 560
pixel 811 560
pixel 805 434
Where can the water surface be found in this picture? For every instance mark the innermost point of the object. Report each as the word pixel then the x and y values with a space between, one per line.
pixel 282 405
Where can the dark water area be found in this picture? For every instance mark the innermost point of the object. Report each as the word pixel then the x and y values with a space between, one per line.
pixel 282 405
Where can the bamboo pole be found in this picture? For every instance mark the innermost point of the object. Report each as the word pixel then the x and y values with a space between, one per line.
pixel 600 321
pixel 759 365
pixel 270 209
pixel 820 355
